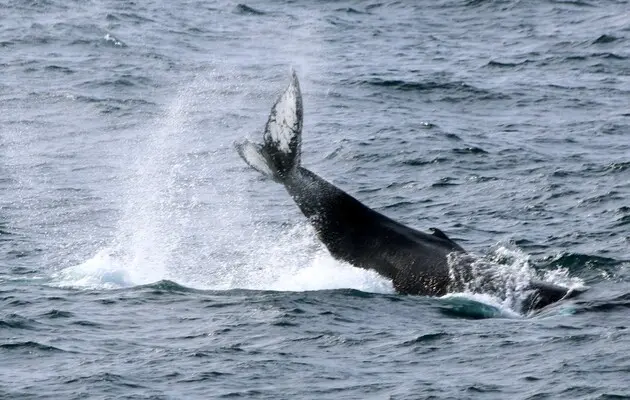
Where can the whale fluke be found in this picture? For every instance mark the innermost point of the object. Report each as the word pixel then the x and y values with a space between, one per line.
pixel 279 155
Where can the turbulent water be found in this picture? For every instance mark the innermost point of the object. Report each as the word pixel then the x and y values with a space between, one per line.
pixel 140 258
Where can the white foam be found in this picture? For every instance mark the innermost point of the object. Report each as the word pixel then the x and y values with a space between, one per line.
pixel 113 40
pixel 109 271
pixel 327 273
pixel 99 272
pixel 290 260
pixel 501 279
pixel 284 122
pixel 561 277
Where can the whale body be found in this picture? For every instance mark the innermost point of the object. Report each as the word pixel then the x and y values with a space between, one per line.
pixel 416 262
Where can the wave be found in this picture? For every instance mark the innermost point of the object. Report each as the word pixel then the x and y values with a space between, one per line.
pixel 167 286
pixel 499 64
pixel 620 302
pixel 113 41
pixel 54 314
pixel 579 3
pixel 603 39
pixel 415 162
pixel 105 378
pixel 474 306
pixel 30 346
pixel 350 10
pixel 426 338
pixel 470 150
pixel 447 87
pixel 584 265
pixel 15 321
pixel 244 9
pixel 597 55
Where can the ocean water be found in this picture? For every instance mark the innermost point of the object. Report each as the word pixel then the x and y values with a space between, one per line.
pixel 140 258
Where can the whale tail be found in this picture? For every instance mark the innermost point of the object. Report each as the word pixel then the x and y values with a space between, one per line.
pixel 278 157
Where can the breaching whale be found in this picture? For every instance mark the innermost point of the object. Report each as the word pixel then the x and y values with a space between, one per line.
pixel 415 261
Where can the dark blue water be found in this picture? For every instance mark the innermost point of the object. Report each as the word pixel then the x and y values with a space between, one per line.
pixel 140 258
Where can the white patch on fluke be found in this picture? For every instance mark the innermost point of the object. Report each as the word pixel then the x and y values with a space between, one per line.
pixel 285 121
pixel 252 155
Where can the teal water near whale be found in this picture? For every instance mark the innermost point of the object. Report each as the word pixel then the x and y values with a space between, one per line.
pixel 141 259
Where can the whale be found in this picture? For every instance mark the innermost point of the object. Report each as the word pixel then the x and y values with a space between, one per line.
pixel 416 262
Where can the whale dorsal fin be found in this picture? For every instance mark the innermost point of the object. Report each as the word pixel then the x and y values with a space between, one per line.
pixel 441 235
pixel 438 233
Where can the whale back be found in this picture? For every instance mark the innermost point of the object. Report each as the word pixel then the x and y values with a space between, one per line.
pixel 352 232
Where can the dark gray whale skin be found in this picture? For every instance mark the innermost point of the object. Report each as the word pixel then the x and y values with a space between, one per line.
pixel 416 262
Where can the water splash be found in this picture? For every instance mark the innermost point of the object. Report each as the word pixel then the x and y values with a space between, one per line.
pixel 103 271
pixel 294 260
pixel 153 201
pixel 501 279
pixel 188 216
pixel 291 262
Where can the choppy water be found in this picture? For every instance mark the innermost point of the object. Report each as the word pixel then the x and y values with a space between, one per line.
pixel 141 258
